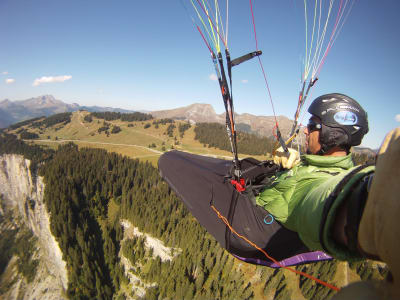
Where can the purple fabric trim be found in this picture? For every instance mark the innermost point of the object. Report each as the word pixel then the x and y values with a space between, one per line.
pixel 303 258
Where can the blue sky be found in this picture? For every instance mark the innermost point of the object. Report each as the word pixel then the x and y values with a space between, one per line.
pixel 148 55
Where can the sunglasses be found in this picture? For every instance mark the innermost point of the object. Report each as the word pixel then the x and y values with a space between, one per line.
pixel 312 126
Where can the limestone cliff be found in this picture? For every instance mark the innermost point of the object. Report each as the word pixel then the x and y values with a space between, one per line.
pixel 22 196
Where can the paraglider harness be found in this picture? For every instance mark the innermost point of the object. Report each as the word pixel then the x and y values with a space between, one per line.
pixel 255 175
pixel 249 171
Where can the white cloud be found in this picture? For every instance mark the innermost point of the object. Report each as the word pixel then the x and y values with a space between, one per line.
pixel 10 80
pixel 5 73
pixel 51 79
pixel 245 81
pixel 397 117
pixel 213 77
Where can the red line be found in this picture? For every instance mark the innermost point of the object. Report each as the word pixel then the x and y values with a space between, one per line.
pixel 254 24
pixel 261 65
pixel 204 39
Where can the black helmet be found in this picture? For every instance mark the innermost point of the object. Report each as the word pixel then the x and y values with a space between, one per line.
pixel 344 121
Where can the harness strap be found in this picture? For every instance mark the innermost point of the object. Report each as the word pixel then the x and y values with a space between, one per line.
pixel 253 174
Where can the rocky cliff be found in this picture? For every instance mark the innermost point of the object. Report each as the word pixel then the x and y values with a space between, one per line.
pixel 22 197
pixel 195 113
pixel 199 112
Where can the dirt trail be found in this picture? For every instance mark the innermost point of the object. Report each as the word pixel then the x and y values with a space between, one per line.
pixel 130 145
pixel 101 143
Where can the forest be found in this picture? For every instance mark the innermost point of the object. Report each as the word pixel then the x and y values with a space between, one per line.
pixel 52 120
pixel 127 117
pixel 92 191
pixel 214 135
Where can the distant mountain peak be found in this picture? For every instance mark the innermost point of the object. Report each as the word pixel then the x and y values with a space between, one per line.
pixel 201 109
pixel 47 97
pixel 201 105
pixel 5 103
pixel 44 101
pixel 197 112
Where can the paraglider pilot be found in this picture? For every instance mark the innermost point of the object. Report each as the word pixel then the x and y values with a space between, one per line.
pixel 316 204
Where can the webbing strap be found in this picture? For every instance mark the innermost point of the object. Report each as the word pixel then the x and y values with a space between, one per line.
pixel 332 197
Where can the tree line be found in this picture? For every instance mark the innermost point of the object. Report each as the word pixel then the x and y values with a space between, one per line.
pixel 52 120
pixel 46 122
pixel 127 117
pixel 25 122
pixel 215 135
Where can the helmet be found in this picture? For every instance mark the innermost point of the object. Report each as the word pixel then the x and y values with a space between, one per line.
pixel 344 122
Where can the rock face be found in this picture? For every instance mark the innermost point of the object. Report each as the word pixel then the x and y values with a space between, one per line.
pixel 137 286
pixel 195 113
pixel 198 112
pixel 24 196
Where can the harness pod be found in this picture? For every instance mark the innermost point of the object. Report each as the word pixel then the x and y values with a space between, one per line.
pixel 204 184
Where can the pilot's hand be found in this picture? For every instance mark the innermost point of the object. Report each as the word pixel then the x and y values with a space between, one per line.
pixel 286 159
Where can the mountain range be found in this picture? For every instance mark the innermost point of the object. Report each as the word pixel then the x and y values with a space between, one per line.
pixel 46 105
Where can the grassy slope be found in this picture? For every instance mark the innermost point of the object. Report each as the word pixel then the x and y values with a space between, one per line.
pixel 131 141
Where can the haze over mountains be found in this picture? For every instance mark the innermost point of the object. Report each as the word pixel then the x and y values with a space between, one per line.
pixel 46 105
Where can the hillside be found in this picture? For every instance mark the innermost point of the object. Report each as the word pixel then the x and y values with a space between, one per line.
pixel 16 111
pixel 12 112
pixel 145 140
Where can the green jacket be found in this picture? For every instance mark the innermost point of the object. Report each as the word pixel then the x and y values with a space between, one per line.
pixel 296 198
